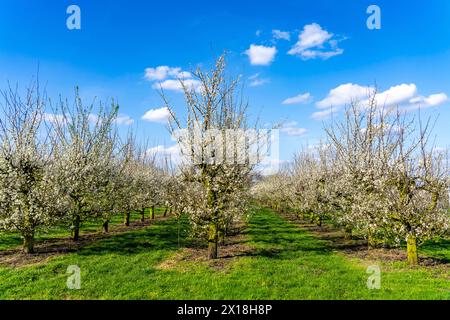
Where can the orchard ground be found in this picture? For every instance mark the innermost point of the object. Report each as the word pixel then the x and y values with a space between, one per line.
pixel 273 257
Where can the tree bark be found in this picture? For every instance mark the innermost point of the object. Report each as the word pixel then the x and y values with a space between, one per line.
pixel 319 221
pixel 143 215
pixel 213 230
pixel 126 219
pixel 411 247
pixel 347 232
pixel 28 244
pixel 370 240
pixel 153 212
pixel 165 212
pixel 213 240
pixel 76 227
pixel 106 226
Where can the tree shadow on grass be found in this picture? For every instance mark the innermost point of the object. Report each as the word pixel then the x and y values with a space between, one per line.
pixel 276 238
pixel 129 239
pixel 163 235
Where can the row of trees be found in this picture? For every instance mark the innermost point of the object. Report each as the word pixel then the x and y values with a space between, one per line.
pixel 216 168
pixel 376 174
pixel 72 165
pixel 68 166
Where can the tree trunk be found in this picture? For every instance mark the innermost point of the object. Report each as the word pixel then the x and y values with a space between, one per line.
pixel 319 221
pixel 347 232
pixel 370 240
pixel 76 227
pixel 165 212
pixel 126 219
pixel 28 244
pixel 106 226
pixel 213 240
pixel 411 247
pixel 213 235
pixel 153 212
pixel 143 215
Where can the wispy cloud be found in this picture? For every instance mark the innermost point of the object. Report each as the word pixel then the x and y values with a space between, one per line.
pixel 281 35
pixel 123 119
pixel 422 102
pixel 292 129
pixel 299 99
pixel 257 81
pixel 53 118
pixel 325 114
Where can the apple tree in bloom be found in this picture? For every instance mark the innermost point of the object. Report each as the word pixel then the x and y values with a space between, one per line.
pixel 83 147
pixel 27 193
pixel 218 184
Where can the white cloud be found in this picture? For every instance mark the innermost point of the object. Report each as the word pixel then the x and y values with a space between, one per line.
pixel 168 78
pixel 344 94
pixel 281 35
pixel 163 151
pixel 325 114
pixel 441 151
pixel 427 102
pixel 175 85
pixel 294 131
pixel 53 118
pixel 256 81
pixel 396 95
pixel 184 75
pixel 93 118
pixel 405 96
pixel 301 98
pixel 161 115
pixel 163 72
pixel 261 55
pixel 123 119
pixel 313 54
pixel 271 166
pixel 315 42
pixel 291 129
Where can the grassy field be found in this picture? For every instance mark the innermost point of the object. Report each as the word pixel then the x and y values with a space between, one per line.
pixel 272 259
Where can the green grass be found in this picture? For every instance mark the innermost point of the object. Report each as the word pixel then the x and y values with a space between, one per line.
pixel 286 263
pixel 439 248
pixel 13 239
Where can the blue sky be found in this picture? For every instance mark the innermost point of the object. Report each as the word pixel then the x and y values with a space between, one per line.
pixel 319 46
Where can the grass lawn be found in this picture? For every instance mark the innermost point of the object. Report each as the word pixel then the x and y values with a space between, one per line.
pixel 12 240
pixel 285 262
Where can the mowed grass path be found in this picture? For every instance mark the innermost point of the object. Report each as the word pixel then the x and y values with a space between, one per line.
pixel 285 263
